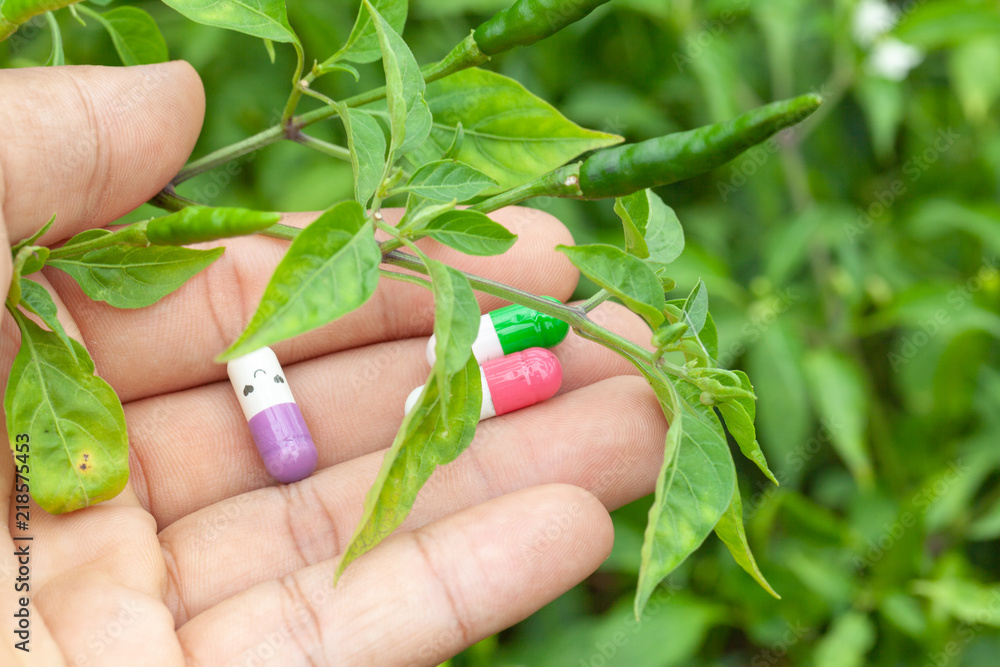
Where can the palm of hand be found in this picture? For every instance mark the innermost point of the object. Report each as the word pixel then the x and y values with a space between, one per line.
pixel 201 558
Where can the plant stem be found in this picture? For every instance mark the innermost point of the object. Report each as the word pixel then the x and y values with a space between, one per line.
pixel 297 85
pixel 465 55
pixel 231 152
pixel 280 231
pixel 169 200
pixel 333 150
pixel 390 245
pixel 572 315
pixel 562 182
pixel 596 300
pixel 134 234
pixel 406 278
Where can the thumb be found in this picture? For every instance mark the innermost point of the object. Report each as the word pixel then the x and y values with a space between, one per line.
pixel 89 144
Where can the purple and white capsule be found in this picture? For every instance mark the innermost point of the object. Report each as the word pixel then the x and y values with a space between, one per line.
pixel 275 421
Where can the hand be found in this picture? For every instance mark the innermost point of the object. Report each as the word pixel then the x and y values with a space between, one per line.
pixel 202 558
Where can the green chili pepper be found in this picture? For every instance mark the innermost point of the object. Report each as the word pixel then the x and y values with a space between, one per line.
pixel 528 21
pixel 622 170
pixel 195 224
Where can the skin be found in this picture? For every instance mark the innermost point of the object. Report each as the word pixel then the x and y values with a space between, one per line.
pixel 203 560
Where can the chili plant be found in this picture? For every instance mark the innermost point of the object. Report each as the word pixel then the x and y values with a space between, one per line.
pixel 433 135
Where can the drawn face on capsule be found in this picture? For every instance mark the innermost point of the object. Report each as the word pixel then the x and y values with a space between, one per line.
pixel 259 382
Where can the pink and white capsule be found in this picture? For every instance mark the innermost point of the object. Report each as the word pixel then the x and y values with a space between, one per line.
pixel 276 424
pixel 513 382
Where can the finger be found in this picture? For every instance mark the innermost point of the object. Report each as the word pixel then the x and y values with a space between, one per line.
pixel 434 591
pixel 611 448
pixel 357 413
pixel 96 584
pixel 171 345
pixel 105 140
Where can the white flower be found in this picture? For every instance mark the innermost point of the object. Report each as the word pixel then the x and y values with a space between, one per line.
pixel 872 18
pixel 893 59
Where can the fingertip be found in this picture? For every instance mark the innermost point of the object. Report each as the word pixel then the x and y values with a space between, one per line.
pixel 93 143
pixel 191 93
pixel 597 531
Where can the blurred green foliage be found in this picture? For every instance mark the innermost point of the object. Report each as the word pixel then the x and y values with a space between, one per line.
pixel 854 273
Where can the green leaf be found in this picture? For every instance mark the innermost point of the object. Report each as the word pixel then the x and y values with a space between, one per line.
pixel 37 299
pixel 730 530
pixel 34 237
pixel 86 235
pixel 445 180
pixel 938 25
pixel 739 414
pixel 846 643
pixel 838 391
pixel 696 307
pixel 884 104
pixel 269 47
pixel 366 142
pixel 974 68
pixel 420 211
pixel 57 57
pixel 456 143
pixel 75 422
pixel 966 601
pixel 709 337
pixel 783 417
pixel 13 13
pixel 266 19
pixel 652 229
pixel 509 134
pixel 343 67
pixel 329 270
pixel 409 115
pixel 696 345
pixel 625 276
pixel 29 259
pixel 136 36
pixel 693 490
pixel 427 438
pixel 362 44
pixel 456 322
pixel 135 276
pixel 470 232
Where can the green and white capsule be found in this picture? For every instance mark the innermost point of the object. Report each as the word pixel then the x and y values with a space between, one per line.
pixel 511 329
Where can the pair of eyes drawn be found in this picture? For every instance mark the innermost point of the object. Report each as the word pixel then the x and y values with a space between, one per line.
pixel 248 389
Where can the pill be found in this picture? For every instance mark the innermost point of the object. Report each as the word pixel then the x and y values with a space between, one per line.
pixel 511 329
pixel 513 382
pixel 275 421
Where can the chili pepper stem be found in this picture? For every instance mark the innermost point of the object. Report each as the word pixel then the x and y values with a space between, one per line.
pixel 466 54
pixel 134 234
pixel 169 200
pixel 562 182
